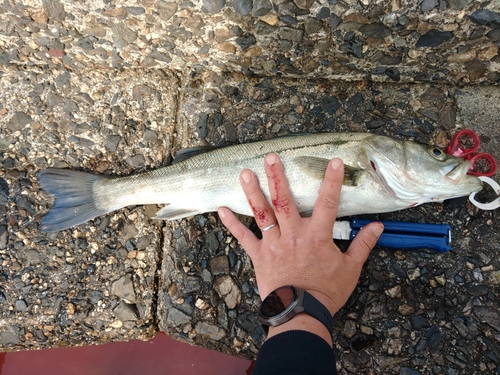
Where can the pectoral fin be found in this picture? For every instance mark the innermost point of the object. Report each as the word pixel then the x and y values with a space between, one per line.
pixel 315 167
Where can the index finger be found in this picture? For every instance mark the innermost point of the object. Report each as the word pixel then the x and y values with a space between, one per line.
pixel 326 207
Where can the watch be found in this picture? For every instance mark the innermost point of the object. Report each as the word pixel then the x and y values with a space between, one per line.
pixel 284 303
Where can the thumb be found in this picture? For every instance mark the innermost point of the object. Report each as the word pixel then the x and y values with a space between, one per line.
pixel 363 243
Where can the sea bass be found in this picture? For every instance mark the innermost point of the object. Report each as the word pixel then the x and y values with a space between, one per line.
pixel 382 174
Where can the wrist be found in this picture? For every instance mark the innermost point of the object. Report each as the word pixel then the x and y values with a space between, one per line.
pixel 303 322
pixel 292 308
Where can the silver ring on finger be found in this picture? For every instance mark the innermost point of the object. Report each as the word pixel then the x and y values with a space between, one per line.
pixel 265 229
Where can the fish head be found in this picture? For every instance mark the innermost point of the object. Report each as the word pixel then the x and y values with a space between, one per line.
pixel 417 173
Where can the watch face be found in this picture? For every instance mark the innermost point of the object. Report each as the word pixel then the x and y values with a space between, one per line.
pixel 277 301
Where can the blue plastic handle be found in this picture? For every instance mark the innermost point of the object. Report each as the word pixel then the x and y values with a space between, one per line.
pixel 411 241
pixel 409 235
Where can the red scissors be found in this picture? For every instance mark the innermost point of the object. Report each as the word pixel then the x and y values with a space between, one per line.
pixel 465 145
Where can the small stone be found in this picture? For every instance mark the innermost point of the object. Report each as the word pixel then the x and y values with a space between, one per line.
pixel 312 25
pixel 176 317
pixel 394 292
pixel 211 242
pixel 54 10
pixel 447 116
pixel 488 53
pixel 261 7
pixel 228 291
pixel 8 338
pixel 56 53
pixel 120 31
pixel 488 315
pixel 334 20
pixel 126 312
pixel 462 57
pixel 19 120
pixel 83 97
pixel 477 290
pixel 466 328
pixel 476 69
pixel 330 105
pixel 304 4
pixel 226 47
pixel 166 9
pixel 136 161
pixel 214 6
pixel 323 13
pixel 124 288
pixel 486 17
pixel 433 38
pixel 202 305
pixel 135 11
pixel 21 305
pixel 458 4
pixel 219 265
pixel 3 237
pixel 243 7
pixel 408 371
pixel 290 33
pixel 112 142
pixel 119 12
pixel 406 309
pixel 349 328
pixel 418 322
pixel 375 30
pixel 246 41
pixel 428 5
pixel 210 331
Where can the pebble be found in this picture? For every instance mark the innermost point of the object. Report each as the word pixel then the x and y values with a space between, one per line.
pixel 126 312
pixel 19 120
pixel 219 265
pixel 433 38
pixel 210 331
pixel 214 6
pixel 261 7
pixel 228 290
pixel 486 17
pixel 124 288
pixel 243 7
pixel 21 305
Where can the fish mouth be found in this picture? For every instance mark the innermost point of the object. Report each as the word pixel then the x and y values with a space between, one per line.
pixel 457 171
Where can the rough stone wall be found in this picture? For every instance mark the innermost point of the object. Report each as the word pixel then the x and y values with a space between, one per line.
pixel 118 87
pixel 448 40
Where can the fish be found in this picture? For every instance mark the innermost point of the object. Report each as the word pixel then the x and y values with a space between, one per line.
pixel 382 174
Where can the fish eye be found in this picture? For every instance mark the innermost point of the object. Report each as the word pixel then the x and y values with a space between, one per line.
pixel 437 153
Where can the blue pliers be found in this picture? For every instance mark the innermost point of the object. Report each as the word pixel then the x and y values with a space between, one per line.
pixel 400 235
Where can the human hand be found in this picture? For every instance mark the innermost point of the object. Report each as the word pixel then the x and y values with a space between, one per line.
pixel 300 251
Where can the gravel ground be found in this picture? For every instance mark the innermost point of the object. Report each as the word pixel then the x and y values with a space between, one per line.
pixel 118 88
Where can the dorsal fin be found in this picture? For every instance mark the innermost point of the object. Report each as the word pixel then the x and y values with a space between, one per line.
pixel 186 153
pixel 315 167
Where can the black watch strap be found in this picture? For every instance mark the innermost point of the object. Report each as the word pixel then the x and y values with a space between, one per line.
pixel 316 309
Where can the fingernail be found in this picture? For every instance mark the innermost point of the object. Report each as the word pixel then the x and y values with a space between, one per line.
pixel 377 230
pixel 336 164
pixel 271 159
pixel 222 213
pixel 246 176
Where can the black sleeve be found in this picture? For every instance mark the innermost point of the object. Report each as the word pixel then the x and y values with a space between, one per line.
pixel 295 353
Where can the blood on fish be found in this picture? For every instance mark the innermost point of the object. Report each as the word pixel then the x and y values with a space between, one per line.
pixel 373 166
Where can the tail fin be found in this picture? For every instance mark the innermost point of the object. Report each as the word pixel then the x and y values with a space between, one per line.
pixel 74 195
